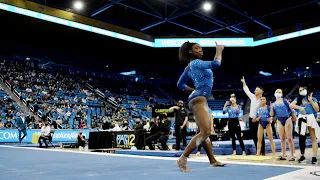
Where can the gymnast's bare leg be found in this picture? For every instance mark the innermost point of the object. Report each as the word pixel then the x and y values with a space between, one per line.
pixel 201 114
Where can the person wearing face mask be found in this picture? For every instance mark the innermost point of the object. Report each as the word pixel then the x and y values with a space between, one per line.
pixel 285 115
pixel 106 123
pixel 125 126
pixel 139 141
pixel 264 119
pixel 254 104
pixel 181 120
pixel 81 141
pixel 162 133
pixel 45 133
pixel 233 110
pixel 307 107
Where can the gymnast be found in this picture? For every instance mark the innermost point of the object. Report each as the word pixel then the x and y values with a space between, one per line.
pixel 285 115
pixel 264 119
pixel 201 74
pixel 233 109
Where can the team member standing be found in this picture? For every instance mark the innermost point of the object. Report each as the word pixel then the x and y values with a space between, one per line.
pixel 281 110
pixel 264 119
pixel 234 110
pixel 181 120
pixel 254 104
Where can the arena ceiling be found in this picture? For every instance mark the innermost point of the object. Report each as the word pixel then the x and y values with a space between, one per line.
pixel 187 17
pixel 88 50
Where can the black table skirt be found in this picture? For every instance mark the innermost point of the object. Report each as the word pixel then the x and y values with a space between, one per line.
pixel 100 140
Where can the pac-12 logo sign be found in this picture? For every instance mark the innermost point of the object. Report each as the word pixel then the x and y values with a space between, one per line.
pixel 125 140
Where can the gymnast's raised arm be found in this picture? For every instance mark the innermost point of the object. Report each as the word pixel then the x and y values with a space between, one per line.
pixel 199 64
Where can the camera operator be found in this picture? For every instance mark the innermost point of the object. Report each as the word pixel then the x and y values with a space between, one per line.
pixel 161 135
pixel 181 119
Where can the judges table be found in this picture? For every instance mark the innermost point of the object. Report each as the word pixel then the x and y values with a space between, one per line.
pixel 111 139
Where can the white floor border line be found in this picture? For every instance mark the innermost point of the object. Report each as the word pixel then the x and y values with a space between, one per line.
pixel 301 174
pixel 151 157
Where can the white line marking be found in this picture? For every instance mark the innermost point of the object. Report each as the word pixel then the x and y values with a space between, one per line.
pixel 152 157
pixel 299 174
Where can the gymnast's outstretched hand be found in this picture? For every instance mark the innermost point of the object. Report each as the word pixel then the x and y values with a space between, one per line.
pixel 219 47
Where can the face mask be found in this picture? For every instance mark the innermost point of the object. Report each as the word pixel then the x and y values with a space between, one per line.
pixel 303 93
pixel 277 95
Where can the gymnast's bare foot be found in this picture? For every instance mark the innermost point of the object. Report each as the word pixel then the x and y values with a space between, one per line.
pixel 217 163
pixel 182 164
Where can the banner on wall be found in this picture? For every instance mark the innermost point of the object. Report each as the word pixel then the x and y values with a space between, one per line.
pixel 216 114
pixel 204 42
pixel 158 110
pixel 12 135
pixel 219 114
pixel 124 139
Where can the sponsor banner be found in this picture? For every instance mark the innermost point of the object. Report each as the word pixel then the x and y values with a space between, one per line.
pixel 219 114
pixel 161 109
pixel 124 139
pixel 204 42
pixel 12 135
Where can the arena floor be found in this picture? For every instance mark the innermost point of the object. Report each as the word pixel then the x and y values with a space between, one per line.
pixel 49 164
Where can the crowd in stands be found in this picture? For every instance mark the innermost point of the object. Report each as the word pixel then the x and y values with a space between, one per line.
pixel 66 101
pixel 9 110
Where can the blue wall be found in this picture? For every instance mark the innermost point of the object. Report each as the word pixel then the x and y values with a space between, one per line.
pixel 11 135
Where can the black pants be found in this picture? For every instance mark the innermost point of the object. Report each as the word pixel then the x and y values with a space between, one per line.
pixel 82 144
pixel 302 139
pixel 139 141
pixel 253 126
pixel 235 130
pixel 293 129
pixel 44 139
pixel 24 131
pixel 162 139
pixel 273 126
pixel 302 143
pixel 181 134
